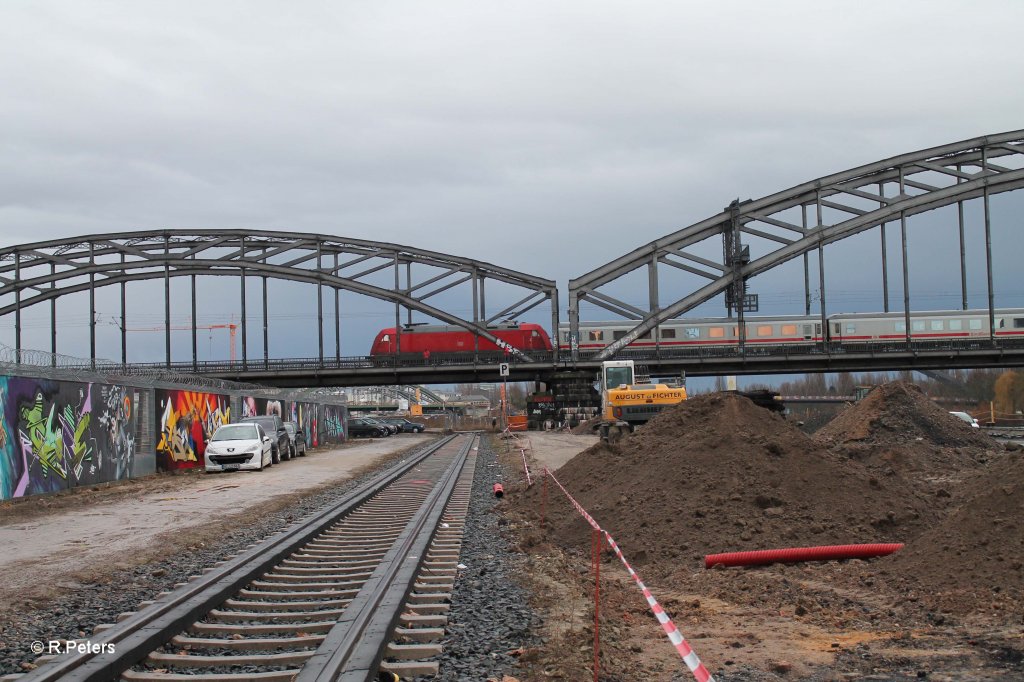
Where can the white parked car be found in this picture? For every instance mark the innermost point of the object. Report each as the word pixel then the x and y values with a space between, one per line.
pixel 238 446
pixel 967 418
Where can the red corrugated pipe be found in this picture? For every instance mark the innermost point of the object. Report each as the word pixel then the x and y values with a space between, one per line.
pixel 499 491
pixel 794 554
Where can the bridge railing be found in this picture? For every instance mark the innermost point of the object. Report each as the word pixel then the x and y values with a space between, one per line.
pixel 62 366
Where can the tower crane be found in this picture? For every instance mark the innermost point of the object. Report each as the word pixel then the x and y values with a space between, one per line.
pixel 230 326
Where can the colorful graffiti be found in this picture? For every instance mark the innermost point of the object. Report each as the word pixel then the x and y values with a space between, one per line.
pixel 333 423
pixel 56 440
pixel 187 420
pixel 116 417
pixel 56 435
pixel 260 407
pixel 250 407
pixel 304 414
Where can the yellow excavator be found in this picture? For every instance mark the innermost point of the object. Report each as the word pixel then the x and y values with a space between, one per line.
pixel 626 402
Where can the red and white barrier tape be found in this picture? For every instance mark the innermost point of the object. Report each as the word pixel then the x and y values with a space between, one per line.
pixel 688 655
pixel 526 468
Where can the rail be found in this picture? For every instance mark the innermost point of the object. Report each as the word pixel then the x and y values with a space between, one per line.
pixel 132 640
pixel 354 647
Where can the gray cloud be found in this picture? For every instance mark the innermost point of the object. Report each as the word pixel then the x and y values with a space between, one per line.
pixel 547 137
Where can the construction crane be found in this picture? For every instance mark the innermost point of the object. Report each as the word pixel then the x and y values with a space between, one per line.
pixel 230 326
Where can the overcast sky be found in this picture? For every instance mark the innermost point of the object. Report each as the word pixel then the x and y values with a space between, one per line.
pixel 547 137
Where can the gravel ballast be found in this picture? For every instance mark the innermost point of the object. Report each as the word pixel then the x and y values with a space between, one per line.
pixel 490 621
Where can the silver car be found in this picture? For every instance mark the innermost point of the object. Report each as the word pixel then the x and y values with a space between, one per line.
pixel 234 447
pixel 967 418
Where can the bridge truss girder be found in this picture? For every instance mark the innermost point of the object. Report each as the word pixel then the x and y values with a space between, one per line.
pixel 34 274
pixel 863 198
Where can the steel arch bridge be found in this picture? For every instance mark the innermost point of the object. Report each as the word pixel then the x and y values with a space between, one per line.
pixel 829 209
pixel 794 223
pixel 40 273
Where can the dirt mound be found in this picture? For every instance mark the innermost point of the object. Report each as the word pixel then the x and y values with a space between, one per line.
pixel 974 558
pixel 898 429
pixel 717 473
pixel 899 413
pixel 587 428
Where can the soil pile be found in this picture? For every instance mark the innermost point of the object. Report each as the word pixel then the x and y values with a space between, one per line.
pixel 586 428
pixel 974 558
pixel 717 473
pixel 899 413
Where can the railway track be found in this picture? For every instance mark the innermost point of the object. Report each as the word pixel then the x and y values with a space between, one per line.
pixel 351 592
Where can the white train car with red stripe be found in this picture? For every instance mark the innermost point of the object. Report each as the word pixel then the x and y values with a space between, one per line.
pixel 876 329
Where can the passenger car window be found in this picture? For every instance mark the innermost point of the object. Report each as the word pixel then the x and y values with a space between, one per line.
pixel 596 335
pixel 918 325
pixel 956 325
pixel 975 324
pixel 694 333
pixel 788 329
pixel 937 325
pixel 764 330
pixel 668 333
pixel 901 327
pixel 716 332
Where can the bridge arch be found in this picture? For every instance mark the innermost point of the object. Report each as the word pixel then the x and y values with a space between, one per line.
pixel 34 274
pixel 861 198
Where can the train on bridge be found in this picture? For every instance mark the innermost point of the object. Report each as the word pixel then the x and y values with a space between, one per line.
pixel 421 339
pixel 875 330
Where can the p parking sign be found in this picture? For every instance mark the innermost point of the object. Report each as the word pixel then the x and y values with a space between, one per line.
pixel 503 369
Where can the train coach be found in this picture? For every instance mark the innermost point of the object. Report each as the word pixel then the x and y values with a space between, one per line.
pixel 876 329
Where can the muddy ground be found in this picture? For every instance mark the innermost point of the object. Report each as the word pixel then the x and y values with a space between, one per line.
pixel 720 475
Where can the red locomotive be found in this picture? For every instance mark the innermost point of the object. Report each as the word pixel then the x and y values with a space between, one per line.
pixel 421 338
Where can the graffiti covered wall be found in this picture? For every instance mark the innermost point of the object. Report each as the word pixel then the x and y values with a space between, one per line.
pixel 261 407
pixel 304 414
pixel 309 417
pixel 333 424
pixel 56 435
pixel 187 419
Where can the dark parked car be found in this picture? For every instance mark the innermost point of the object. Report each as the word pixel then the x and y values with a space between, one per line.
pixel 297 437
pixel 364 427
pixel 274 427
pixel 392 429
pixel 404 425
